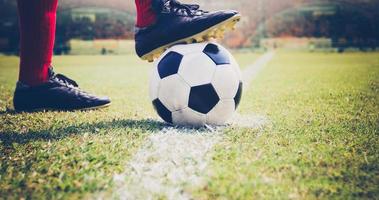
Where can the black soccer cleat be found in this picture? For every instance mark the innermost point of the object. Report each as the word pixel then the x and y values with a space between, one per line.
pixel 58 93
pixel 179 23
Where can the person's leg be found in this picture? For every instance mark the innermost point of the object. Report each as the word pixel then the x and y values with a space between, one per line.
pixel 37 31
pixel 145 14
pixel 39 88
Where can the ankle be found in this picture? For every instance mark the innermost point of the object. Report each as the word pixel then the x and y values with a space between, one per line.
pixel 33 76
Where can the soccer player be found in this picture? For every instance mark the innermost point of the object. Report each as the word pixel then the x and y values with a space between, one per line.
pixel 160 24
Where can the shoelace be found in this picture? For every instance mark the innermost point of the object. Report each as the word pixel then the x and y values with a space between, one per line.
pixel 190 9
pixel 62 79
pixel 65 80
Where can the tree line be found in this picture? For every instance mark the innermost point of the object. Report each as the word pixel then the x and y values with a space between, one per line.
pixel 349 23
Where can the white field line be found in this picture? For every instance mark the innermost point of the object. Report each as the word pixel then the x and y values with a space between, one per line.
pixel 252 71
pixel 174 161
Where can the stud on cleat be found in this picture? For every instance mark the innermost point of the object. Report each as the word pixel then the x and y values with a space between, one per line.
pixel 219 35
pixel 198 39
pixel 212 33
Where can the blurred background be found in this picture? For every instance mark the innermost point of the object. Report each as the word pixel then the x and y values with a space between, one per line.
pixel 90 27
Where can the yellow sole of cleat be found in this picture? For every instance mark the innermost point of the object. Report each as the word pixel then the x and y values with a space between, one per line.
pixel 217 31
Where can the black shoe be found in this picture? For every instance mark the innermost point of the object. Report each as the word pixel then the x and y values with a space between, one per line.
pixel 58 93
pixel 179 23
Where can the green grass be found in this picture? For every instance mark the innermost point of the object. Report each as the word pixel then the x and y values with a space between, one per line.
pixel 58 154
pixel 321 141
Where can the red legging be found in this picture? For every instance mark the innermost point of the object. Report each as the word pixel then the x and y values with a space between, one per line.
pixel 37 30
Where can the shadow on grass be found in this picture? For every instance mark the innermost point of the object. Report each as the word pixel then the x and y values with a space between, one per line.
pixel 8 111
pixel 7 139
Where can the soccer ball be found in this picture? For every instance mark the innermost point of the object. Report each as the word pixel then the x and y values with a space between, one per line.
pixel 196 84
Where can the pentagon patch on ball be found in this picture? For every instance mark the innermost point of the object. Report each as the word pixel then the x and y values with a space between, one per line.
pixel 173 60
pixel 203 98
pixel 196 84
pixel 218 55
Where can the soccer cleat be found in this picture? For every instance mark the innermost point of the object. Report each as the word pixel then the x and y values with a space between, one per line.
pixel 179 23
pixel 58 93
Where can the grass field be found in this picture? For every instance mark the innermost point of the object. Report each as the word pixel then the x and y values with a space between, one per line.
pixel 321 141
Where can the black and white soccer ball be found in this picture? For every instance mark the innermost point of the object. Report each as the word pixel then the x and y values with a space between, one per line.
pixel 196 84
